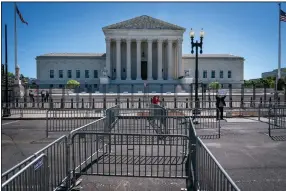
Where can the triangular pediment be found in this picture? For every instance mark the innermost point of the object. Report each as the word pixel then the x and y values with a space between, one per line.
pixel 144 22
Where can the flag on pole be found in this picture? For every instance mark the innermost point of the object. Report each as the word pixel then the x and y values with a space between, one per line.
pixel 282 16
pixel 20 15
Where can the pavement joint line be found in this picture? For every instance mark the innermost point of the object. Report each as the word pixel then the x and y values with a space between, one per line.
pixel 10 122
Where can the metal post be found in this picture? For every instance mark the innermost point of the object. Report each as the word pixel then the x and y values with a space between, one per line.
pixel 196 78
pixel 6 111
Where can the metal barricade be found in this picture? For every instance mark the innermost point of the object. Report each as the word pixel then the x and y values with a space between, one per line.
pixel 205 121
pixel 56 153
pixel 34 176
pixel 132 155
pixel 62 120
pixel 148 121
pixel 277 121
pixel 120 145
pixel 209 173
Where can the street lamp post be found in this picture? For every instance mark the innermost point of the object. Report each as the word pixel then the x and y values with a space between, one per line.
pixel 197 45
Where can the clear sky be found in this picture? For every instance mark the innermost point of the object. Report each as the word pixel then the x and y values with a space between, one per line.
pixel 249 30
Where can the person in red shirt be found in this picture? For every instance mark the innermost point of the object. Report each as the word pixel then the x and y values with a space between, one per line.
pixel 156 100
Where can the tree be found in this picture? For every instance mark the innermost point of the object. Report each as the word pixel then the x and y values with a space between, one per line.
pixel 72 84
pixel 215 85
pixel 247 83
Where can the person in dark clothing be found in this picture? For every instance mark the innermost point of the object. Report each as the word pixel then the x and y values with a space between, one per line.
pixel 220 103
pixel 43 95
pixel 31 95
pixel 47 96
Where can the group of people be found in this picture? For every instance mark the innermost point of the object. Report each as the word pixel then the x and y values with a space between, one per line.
pixel 44 94
pixel 220 104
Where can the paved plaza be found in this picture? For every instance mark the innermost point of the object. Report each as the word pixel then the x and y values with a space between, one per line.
pixel 252 159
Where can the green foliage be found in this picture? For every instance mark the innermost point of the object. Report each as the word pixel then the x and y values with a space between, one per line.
pixel 71 84
pixel 215 85
pixel 268 82
pixel 11 75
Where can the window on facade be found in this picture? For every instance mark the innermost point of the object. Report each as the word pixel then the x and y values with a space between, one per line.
pixel 229 74
pixel 51 85
pixel 213 74
pixel 86 73
pixel 51 73
pixel 86 85
pixel 221 74
pixel 69 74
pixel 77 73
pixel 95 74
pixel 60 86
pixel 95 85
pixel 205 74
pixel 61 74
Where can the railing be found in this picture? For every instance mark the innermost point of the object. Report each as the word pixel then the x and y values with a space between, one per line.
pixel 206 171
pixel 277 120
pixel 62 120
pixel 210 175
pixel 34 176
pixel 56 153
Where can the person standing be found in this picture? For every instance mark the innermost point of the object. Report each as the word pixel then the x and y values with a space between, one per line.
pixel 47 96
pixel 220 104
pixel 43 95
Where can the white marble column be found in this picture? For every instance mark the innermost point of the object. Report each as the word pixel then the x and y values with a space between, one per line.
pixel 128 54
pixel 109 72
pixel 170 58
pixel 179 49
pixel 138 42
pixel 118 59
pixel 160 55
pixel 149 67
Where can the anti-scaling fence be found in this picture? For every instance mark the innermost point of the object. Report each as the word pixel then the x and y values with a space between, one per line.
pixel 43 95
pixel 119 145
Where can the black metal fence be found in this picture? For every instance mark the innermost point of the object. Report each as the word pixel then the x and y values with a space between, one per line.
pixel 237 93
pixel 277 122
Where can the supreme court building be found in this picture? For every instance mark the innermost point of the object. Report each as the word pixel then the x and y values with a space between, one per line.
pixel 138 50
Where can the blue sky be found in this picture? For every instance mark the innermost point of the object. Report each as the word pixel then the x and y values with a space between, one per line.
pixel 249 30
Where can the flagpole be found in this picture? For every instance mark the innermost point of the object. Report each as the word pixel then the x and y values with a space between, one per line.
pixel 279 52
pixel 15 36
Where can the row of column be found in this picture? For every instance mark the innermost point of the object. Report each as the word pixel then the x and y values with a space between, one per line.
pixel 149 66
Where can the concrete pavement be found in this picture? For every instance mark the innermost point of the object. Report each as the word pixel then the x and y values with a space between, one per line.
pixel 252 159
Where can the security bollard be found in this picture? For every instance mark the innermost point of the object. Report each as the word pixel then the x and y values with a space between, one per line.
pixel 127 103
pixel 175 102
pixel 187 103
pixel 139 103
pixel 17 102
pixel 71 103
pixel 25 102
pixel 82 103
pixel 92 103
pixel 51 104
pixel 104 103
pixel 62 103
